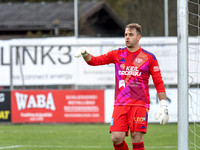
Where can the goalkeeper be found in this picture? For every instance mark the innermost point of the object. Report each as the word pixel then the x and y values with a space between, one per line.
pixel 133 67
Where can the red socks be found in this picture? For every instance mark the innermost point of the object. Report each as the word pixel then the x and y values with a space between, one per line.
pixel 122 146
pixel 138 146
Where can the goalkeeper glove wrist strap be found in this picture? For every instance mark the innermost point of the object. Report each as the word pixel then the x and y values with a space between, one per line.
pixel 163 103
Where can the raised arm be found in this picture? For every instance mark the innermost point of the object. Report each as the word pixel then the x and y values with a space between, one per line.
pixel 103 59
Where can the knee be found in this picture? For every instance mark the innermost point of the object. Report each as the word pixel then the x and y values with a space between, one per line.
pixel 117 137
pixel 137 137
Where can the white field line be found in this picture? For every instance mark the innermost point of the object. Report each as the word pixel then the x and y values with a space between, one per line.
pixel 80 147
pixel 10 147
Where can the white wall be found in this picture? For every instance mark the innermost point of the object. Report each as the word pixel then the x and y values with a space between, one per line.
pixel 154 107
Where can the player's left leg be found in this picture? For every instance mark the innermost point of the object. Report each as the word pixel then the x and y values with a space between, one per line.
pixel 137 140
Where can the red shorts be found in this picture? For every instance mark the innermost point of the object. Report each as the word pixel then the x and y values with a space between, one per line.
pixel 129 117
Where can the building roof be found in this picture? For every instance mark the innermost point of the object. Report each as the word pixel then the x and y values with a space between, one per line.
pixel 45 16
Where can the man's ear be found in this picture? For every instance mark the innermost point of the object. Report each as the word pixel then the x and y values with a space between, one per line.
pixel 139 37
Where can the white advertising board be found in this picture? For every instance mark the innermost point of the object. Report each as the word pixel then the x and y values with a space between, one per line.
pixel 51 61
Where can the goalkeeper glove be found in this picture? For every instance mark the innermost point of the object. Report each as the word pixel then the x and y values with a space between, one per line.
pixel 163 112
pixel 82 51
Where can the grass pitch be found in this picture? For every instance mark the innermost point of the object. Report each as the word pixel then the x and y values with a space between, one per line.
pixel 79 137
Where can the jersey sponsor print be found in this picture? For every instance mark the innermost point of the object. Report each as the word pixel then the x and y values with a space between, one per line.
pixel 132 73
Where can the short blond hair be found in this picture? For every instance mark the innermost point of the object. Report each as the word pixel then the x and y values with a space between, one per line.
pixel 136 26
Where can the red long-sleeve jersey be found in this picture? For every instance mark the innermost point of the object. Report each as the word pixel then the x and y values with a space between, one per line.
pixel 132 72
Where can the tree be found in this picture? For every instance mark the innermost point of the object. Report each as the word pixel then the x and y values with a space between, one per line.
pixel 148 13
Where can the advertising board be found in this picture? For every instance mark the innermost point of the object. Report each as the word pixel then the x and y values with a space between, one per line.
pixel 5 111
pixel 45 106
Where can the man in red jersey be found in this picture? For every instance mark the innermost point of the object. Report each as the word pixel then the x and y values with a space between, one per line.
pixel 133 67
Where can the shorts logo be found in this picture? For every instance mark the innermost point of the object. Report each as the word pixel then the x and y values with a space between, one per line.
pixel 143 118
pixel 139 119
pixel 112 122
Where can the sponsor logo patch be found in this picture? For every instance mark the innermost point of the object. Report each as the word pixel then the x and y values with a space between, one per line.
pixel 112 122
pixel 122 66
pixel 139 119
pixel 130 70
pixel 156 68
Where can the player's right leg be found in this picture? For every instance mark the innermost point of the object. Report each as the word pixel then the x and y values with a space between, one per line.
pixel 118 140
pixel 119 128
pixel 118 137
